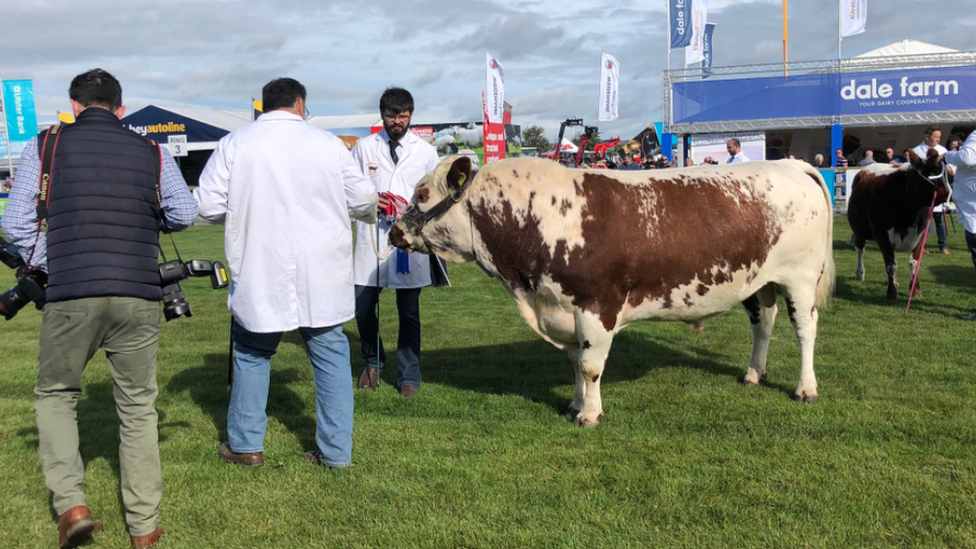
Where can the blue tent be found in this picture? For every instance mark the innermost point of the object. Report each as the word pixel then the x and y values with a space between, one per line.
pixel 199 125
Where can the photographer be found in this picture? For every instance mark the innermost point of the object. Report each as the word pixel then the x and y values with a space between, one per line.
pixel 101 254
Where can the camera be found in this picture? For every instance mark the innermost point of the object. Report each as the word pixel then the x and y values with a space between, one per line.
pixel 171 273
pixel 30 283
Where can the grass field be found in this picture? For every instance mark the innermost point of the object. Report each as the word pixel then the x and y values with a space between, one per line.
pixel 485 457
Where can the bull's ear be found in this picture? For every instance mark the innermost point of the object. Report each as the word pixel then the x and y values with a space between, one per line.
pixel 917 161
pixel 460 172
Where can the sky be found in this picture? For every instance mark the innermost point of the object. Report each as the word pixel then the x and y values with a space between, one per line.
pixel 220 53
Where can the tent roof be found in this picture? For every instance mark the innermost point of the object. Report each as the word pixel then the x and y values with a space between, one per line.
pixel 567 147
pixel 907 47
pixel 224 119
pixel 346 121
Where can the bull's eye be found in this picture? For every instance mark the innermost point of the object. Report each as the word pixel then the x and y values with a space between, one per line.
pixel 423 195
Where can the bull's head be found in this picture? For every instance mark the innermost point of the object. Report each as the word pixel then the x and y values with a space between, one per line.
pixel 933 171
pixel 436 221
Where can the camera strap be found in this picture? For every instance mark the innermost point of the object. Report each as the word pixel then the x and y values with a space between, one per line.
pixel 48 149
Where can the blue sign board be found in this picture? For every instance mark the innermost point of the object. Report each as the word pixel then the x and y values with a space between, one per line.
pixel 158 124
pixel 20 116
pixel 826 95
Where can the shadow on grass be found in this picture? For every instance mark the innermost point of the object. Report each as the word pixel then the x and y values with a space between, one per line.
pixel 98 430
pixel 873 293
pixel 535 369
pixel 207 386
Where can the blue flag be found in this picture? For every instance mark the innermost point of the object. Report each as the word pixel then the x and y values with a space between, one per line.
pixel 707 50
pixel 680 23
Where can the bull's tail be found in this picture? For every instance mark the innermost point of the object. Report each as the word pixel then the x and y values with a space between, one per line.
pixel 825 286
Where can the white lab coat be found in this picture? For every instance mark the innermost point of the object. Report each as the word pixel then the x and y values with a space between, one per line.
pixel 285 190
pixel 922 150
pixel 964 186
pixel 417 158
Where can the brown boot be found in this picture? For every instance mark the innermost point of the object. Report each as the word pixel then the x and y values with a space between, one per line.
pixel 370 379
pixel 76 527
pixel 150 539
pixel 252 459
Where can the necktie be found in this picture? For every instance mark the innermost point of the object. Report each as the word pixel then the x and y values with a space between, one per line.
pixel 393 153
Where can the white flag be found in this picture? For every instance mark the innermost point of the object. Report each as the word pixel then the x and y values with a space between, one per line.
pixel 853 17
pixel 694 52
pixel 494 89
pixel 609 87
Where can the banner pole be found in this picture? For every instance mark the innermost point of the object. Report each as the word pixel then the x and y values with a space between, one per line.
pixel 6 133
pixel 786 42
pixel 669 36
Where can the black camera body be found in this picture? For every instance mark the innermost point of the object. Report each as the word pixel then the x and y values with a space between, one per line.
pixel 30 287
pixel 171 273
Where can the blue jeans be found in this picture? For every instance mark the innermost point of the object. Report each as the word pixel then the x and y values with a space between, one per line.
pixel 938 219
pixel 247 419
pixel 408 340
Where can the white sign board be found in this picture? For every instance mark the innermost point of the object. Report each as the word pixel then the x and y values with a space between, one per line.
pixel 177 145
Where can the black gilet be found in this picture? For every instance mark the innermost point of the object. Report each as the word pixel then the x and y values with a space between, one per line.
pixel 102 237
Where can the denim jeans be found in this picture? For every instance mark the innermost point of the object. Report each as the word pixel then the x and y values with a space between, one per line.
pixel 938 219
pixel 408 340
pixel 247 419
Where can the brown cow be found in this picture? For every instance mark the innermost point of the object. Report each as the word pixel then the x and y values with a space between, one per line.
pixel 585 253
pixel 890 205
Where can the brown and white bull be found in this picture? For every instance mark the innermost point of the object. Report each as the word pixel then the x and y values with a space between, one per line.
pixel 585 253
pixel 891 205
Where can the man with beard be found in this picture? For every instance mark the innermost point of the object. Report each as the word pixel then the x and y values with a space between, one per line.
pixel 395 160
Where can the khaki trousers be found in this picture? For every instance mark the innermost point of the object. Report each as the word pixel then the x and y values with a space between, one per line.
pixel 71 333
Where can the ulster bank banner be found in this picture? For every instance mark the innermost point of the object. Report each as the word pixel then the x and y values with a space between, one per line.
pixel 825 95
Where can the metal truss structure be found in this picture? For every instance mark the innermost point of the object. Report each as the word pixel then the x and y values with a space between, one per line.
pixel 836 66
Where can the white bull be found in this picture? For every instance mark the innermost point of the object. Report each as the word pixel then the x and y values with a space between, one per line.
pixel 585 253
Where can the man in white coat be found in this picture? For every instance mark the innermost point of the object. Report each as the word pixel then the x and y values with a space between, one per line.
pixel 931 141
pixel 395 160
pixel 964 192
pixel 284 190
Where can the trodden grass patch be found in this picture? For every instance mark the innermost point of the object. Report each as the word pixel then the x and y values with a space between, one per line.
pixel 486 457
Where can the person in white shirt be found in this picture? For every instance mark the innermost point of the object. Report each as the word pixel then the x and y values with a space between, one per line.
pixel 395 159
pixel 931 141
pixel 734 148
pixel 964 191
pixel 285 191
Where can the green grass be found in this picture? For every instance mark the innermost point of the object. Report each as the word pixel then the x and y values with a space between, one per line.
pixel 485 457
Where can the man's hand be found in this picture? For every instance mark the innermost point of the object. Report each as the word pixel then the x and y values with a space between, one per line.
pixel 384 203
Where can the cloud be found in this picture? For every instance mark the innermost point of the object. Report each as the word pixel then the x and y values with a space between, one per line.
pixel 429 76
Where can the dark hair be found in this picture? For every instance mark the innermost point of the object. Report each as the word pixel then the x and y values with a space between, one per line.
pixel 932 129
pixel 396 100
pixel 96 88
pixel 735 142
pixel 282 93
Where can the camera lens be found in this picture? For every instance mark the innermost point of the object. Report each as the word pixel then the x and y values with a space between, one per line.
pixel 174 302
pixel 12 301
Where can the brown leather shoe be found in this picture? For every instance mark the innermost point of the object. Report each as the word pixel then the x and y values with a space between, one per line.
pixel 370 379
pixel 945 251
pixel 408 391
pixel 76 527
pixel 253 459
pixel 150 539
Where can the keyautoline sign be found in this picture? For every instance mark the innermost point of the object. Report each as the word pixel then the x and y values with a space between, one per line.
pixel 825 95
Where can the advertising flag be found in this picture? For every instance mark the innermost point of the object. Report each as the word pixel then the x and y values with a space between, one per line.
pixel 494 89
pixel 680 15
pixel 609 87
pixel 257 107
pixel 853 17
pixel 66 118
pixel 699 14
pixel 707 50
pixel 493 136
pixel 21 116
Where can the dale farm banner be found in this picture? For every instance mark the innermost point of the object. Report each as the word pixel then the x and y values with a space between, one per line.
pixel 680 15
pixel 825 95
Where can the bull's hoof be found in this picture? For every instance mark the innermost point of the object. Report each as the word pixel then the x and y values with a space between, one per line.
pixel 917 293
pixel 858 276
pixel 891 296
pixel 588 423
pixel 572 412
pixel 806 399
pixel 744 381
pixel 698 327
